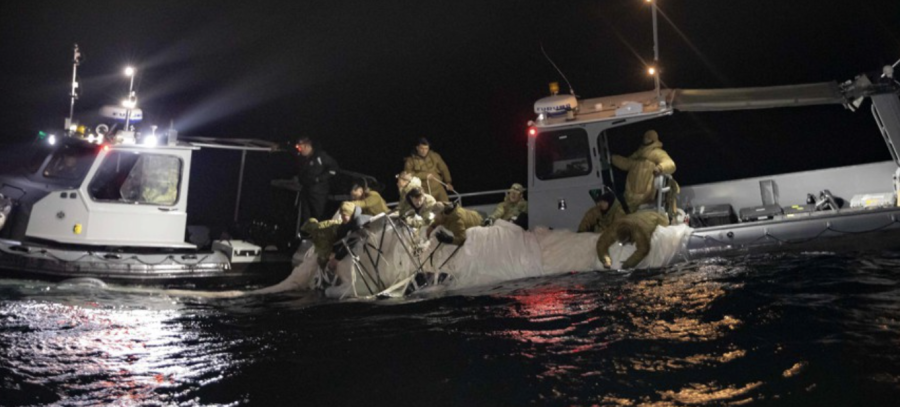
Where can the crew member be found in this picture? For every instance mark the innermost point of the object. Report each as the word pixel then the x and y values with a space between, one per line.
pixel 642 166
pixel 429 167
pixel 420 204
pixel 606 210
pixel 369 201
pixel 405 183
pixel 634 228
pixel 315 169
pixel 352 221
pixel 454 218
pixel 323 235
pixel 513 207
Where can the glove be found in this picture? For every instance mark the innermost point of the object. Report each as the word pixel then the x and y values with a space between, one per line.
pixel 444 237
pixel 607 262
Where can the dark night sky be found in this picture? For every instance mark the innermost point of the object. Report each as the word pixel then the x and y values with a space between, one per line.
pixel 367 78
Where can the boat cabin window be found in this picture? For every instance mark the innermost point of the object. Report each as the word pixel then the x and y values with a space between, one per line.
pixel 129 177
pixel 69 162
pixel 562 154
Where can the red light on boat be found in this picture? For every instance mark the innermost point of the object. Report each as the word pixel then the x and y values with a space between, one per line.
pixel 532 132
pixel 106 147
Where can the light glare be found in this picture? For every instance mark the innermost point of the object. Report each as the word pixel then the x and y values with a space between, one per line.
pixel 129 71
pixel 150 140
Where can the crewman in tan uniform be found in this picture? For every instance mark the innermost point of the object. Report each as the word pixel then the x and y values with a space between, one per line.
pixel 368 200
pixel 429 167
pixel 634 228
pixel 642 166
pixel 513 205
pixel 606 210
pixel 454 218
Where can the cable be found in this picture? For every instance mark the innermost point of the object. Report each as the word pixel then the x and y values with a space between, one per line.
pixel 571 89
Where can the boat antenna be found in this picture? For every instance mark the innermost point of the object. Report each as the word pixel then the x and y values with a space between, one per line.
pixel 76 60
pixel 655 68
pixel 571 89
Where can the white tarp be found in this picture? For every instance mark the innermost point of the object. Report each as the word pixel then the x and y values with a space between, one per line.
pixel 490 255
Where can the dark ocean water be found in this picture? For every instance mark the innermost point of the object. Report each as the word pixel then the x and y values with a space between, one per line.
pixel 802 330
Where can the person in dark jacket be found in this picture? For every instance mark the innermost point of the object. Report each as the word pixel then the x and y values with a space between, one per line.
pixel 315 169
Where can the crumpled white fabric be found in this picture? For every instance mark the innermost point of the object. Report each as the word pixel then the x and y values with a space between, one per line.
pixel 490 255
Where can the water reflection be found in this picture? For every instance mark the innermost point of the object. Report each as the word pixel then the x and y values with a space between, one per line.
pixel 614 328
pixel 91 351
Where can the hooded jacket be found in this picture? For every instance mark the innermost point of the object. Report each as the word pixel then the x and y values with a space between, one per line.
pixel 323 235
pixel 597 221
pixel 637 227
pixel 640 166
pixel 346 230
pixel 433 164
pixel 404 205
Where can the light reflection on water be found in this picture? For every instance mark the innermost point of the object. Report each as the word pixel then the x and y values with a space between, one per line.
pixel 90 351
pixel 786 330
pixel 576 329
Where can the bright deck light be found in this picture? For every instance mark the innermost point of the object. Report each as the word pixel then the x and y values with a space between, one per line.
pixel 150 140
pixel 130 104
pixel 651 71
pixel 51 139
pixel 129 71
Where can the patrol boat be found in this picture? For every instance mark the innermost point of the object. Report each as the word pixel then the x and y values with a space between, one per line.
pixel 93 202
pixel 569 154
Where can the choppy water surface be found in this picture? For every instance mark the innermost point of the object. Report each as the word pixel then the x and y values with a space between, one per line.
pixel 805 329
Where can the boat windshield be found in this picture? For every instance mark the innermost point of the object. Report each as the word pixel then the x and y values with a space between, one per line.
pixel 128 177
pixel 562 154
pixel 70 162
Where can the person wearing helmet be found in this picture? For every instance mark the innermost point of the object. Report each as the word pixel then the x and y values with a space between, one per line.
pixel 606 210
pixel 315 170
pixel 513 206
pixel 642 166
pixel 429 167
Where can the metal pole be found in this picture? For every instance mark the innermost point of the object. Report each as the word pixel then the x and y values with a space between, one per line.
pixel 656 54
pixel 237 201
pixel 130 101
pixel 74 95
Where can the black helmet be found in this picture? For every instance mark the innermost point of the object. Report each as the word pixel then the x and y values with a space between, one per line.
pixel 603 194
